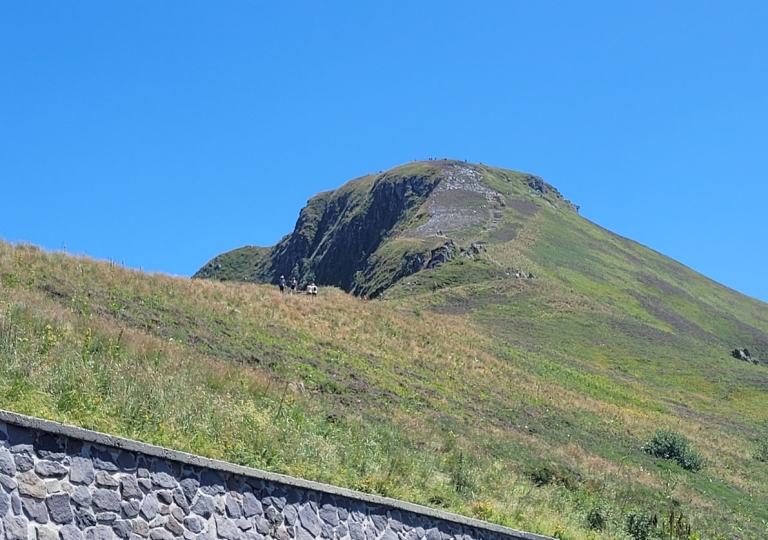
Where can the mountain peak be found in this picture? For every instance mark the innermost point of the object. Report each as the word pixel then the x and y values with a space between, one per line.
pixel 377 229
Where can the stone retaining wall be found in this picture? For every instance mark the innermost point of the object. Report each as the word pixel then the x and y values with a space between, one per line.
pixel 63 483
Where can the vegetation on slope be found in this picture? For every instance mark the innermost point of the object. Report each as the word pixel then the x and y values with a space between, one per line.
pixel 451 397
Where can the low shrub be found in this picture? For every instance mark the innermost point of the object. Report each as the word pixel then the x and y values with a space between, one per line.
pixel 761 452
pixel 542 474
pixel 668 444
pixel 597 518
pixel 641 525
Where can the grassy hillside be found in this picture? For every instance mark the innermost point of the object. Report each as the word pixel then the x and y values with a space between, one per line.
pixel 521 401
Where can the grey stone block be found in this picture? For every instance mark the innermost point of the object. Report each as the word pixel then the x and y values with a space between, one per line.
pixel 7 463
pixel 52 486
pixel 189 486
pixel 282 533
pixel 34 509
pixel 84 518
pixel 181 500
pixel 81 471
pixel 99 532
pixel 106 480
pixel 389 534
pixel 309 520
pixel 232 506
pixel 159 521
pixel 226 528
pixel 164 496
pixel 243 524
pixel 163 480
pixel 70 532
pixel 8 483
pixel 31 485
pixel 145 484
pixel 326 531
pixel 251 505
pixel 329 514
pixel 150 507
pixel 356 531
pixel 15 527
pixel 290 515
pixel 50 469
pixel 273 515
pixel 15 503
pixel 370 533
pixel 122 528
pixel 129 488
pixel 261 524
pixel 59 508
pixel 303 534
pixel 106 499
pixel 433 534
pixel 140 528
pixel 379 522
pixel 174 526
pixel 343 513
pixel 81 496
pixel 253 535
pixel 5 504
pixel 341 530
pixel 106 518
pixel 46 533
pixel 177 513
pixel 130 508
pixel 203 506
pixel 193 523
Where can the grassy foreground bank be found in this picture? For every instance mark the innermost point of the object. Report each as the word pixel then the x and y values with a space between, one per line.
pixel 384 397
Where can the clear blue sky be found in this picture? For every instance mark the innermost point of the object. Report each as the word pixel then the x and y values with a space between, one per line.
pixel 163 133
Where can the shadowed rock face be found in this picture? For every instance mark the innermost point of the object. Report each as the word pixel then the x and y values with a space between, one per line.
pixel 427 206
pixel 345 237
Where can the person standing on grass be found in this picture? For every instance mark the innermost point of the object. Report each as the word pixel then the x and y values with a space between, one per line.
pixel 281 284
pixel 294 284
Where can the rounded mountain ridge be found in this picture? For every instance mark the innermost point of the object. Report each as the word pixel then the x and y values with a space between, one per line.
pixel 377 229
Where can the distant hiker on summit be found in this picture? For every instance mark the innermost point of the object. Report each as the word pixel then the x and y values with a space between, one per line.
pixel 281 284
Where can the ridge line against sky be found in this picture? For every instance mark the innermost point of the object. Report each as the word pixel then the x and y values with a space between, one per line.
pixel 162 134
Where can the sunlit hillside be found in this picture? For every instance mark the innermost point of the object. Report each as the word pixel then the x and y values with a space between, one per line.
pixel 522 385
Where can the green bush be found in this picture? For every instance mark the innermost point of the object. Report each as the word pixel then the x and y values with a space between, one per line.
pixel 761 453
pixel 597 518
pixel 675 447
pixel 641 525
pixel 543 473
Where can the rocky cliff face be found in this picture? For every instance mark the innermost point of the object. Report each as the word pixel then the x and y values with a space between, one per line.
pixel 377 229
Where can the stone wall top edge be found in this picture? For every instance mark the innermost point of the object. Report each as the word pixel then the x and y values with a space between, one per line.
pixel 131 445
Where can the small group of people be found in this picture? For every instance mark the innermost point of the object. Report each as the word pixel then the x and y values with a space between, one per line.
pixel 294 285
